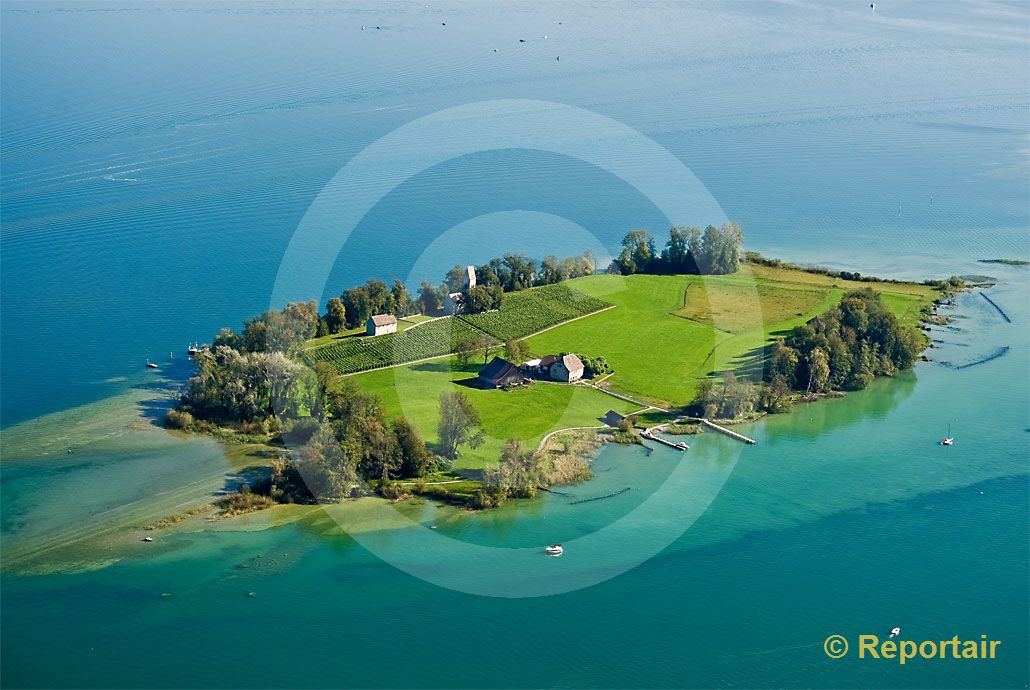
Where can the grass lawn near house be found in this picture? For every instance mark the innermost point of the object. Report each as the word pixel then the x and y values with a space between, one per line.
pixel 528 413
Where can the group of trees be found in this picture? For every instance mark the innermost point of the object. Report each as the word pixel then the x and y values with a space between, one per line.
pixel 355 305
pixel 245 387
pixel 516 271
pixel 354 443
pixel 273 331
pixel 732 398
pixel 716 251
pixel 518 475
pixel 845 348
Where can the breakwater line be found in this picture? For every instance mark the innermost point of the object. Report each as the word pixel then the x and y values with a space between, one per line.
pixel 600 498
pixel 995 305
pixel 1000 352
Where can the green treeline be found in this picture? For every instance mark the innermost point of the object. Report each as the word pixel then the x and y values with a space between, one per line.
pixel 716 251
pixel 844 349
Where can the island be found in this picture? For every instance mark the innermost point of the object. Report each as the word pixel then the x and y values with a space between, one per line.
pixel 504 379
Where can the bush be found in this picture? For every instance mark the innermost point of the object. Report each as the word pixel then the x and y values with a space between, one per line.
pixel 178 419
pixel 243 501
pixel 392 490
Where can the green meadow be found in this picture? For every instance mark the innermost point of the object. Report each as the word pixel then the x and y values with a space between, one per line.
pixel 662 336
pixel 528 413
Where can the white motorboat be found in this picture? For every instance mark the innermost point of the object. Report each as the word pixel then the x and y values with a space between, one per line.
pixel 554 550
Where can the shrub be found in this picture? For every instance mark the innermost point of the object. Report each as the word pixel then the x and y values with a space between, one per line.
pixel 179 419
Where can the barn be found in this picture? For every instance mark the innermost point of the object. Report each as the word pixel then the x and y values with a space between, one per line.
pixel 500 373
pixel 567 368
pixel 380 324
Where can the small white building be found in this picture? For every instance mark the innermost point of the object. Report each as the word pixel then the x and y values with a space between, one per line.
pixel 381 324
pixel 567 368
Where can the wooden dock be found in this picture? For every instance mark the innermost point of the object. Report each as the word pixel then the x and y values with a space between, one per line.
pixel 651 437
pixel 728 432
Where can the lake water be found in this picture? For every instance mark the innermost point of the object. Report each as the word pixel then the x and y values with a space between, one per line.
pixel 157 159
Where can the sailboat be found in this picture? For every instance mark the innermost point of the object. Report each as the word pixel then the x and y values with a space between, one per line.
pixel 947 440
pixel 151 365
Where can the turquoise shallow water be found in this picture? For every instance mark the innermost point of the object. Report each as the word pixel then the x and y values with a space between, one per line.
pixel 152 176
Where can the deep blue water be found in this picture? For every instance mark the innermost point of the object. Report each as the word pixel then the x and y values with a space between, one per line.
pixel 157 158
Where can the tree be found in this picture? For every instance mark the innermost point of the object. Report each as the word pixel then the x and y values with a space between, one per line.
pixel 456 278
pixel 401 299
pixel 429 298
pixel 327 472
pixel 415 456
pixel 776 396
pixel 459 424
pixel 731 240
pixel 517 475
pixel 482 298
pixel 550 270
pixel 358 306
pixel 521 271
pixel 255 332
pixel 227 337
pixel 676 256
pixel 695 247
pixel 783 361
pixel 335 315
pixel 467 347
pixel 818 371
pixel 637 254
pixel 711 248
pixel 703 396
pixel 516 351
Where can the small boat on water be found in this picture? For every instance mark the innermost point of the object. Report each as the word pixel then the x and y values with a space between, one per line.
pixel 193 349
pixel 554 550
pixel 947 440
pixel 151 365
pixel 148 539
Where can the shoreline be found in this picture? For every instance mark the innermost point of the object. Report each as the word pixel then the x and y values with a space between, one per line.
pixel 121 537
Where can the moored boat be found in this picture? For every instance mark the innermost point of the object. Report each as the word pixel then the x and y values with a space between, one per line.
pixel 554 550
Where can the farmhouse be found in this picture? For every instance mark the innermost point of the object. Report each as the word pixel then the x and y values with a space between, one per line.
pixel 499 373
pixel 567 368
pixel 380 324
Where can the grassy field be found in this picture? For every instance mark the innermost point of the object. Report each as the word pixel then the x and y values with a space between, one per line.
pixel 527 413
pixel 660 340
pixel 736 307
pixel 664 333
